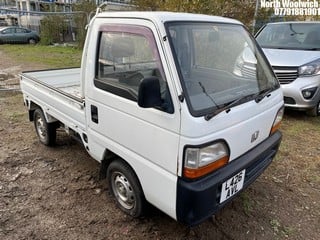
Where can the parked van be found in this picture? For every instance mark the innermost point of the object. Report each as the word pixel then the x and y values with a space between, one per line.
pixel 293 49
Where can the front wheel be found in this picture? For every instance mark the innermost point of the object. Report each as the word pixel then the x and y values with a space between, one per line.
pixel 45 131
pixel 125 187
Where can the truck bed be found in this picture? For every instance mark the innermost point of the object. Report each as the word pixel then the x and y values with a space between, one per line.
pixel 65 81
pixel 58 93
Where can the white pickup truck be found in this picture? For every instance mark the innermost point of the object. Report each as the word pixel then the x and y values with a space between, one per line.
pixel 182 110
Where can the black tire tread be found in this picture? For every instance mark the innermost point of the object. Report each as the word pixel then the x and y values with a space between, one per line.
pixel 51 129
pixel 123 167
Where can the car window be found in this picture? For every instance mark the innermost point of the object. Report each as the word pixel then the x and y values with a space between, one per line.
pixel 8 31
pixel 125 59
pixel 218 64
pixel 300 36
pixel 21 30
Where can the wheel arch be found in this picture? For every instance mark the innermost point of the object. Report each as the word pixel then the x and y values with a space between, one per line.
pixel 32 106
pixel 108 158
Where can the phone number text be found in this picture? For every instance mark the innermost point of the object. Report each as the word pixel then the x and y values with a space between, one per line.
pixel 296 11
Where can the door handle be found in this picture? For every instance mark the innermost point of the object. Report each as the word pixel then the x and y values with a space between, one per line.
pixel 94 114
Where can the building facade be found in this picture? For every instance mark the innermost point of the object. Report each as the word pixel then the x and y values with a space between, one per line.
pixel 28 13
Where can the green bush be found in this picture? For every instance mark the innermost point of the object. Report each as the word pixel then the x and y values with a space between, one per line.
pixel 52 29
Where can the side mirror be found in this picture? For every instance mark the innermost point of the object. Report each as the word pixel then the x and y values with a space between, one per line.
pixel 149 93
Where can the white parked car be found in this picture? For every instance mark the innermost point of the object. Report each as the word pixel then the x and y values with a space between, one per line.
pixel 293 50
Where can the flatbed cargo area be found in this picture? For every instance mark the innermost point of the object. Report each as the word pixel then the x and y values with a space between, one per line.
pixel 65 81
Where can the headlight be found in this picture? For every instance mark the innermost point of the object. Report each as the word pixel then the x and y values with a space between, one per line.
pixel 312 68
pixel 201 161
pixel 309 92
pixel 277 120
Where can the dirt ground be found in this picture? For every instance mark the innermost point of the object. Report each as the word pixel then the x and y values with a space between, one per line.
pixel 55 193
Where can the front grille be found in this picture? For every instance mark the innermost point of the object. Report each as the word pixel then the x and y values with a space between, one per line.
pixel 286 75
pixel 289 100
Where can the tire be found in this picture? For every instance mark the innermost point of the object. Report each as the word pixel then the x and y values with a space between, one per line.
pixel 46 131
pixel 126 189
pixel 315 111
pixel 32 41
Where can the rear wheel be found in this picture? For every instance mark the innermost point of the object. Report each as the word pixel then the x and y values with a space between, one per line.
pixel 45 131
pixel 125 187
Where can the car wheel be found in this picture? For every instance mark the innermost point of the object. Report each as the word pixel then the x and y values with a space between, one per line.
pixel 46 131
pixel 32 41
pixel 125 187
pixel 315 111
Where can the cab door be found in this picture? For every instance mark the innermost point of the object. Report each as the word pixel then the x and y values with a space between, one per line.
pixel 146 138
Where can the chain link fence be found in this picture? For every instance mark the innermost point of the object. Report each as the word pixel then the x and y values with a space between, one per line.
pixel 64 26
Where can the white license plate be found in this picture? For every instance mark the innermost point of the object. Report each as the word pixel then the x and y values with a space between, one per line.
pixel 232 186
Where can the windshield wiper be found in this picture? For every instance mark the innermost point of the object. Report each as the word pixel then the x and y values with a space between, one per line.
pixel 262 94
pixel 207 94
pixel 227 107
pixel 258 97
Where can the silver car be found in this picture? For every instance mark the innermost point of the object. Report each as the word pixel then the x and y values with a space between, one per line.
pixel 293 50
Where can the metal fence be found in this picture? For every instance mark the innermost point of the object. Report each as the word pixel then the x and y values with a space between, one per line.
pixel 32 20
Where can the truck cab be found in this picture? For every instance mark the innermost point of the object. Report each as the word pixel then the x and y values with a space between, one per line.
pixel 182 110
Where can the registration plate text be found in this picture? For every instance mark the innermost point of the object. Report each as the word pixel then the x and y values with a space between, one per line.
pixel 232 186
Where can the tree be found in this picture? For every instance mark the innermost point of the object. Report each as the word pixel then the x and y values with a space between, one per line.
pixel 242 10
pixel 85 8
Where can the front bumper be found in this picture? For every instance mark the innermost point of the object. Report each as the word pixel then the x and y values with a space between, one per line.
pixel 200 199
pixel 292 93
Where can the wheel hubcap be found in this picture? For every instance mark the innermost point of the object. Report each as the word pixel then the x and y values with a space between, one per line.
pixel 41 128
pixel 123 190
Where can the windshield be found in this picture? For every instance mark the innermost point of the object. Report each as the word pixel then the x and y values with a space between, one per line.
pixel 301 36
pixel 219 64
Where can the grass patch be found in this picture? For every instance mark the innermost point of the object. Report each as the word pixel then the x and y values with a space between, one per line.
pixel 51 56
pixel 296 122
pixel 299 155
pixel 279 228
pixel 246 203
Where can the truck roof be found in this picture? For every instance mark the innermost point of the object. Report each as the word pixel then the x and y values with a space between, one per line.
pixel 167 16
